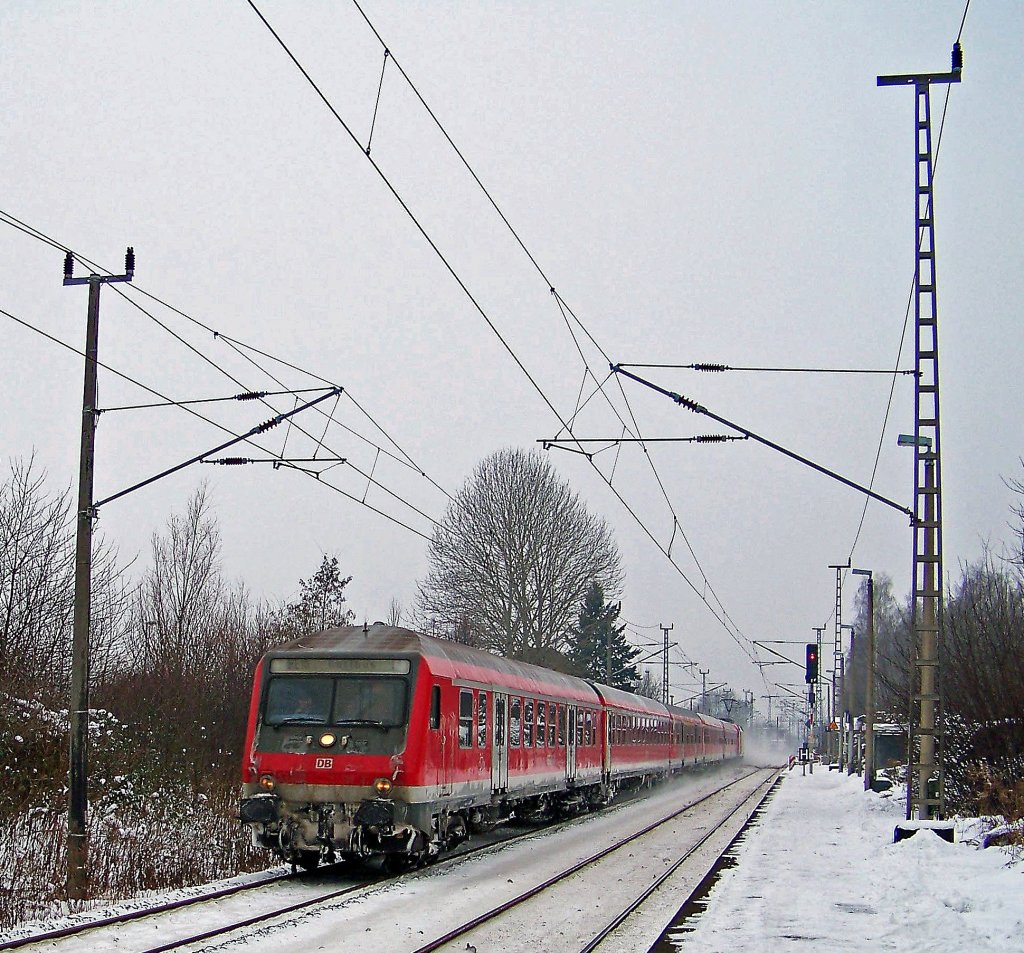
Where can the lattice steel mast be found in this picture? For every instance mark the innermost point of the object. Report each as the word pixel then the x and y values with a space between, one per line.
pixel 925 774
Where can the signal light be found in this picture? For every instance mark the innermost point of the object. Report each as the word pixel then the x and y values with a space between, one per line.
pixel 811 664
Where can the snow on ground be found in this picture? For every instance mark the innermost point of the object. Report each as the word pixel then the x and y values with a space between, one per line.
pixel 821 871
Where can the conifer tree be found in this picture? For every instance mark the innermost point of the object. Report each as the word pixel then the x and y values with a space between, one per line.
pixel 600 645
pixel 322 603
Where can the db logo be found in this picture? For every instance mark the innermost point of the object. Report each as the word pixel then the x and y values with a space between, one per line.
pixel 325 762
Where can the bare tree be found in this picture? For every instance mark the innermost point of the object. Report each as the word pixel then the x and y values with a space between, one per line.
pixel 513 557
pixel 1017 486
pixel 649 686
pixel 983 678
pixel 195 642
pixel 180 595
pixel 37 571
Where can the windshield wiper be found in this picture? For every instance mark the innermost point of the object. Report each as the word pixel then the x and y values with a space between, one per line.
pixel 298 720
pixel 362 721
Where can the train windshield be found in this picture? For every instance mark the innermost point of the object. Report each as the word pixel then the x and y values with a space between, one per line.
pixel 339 700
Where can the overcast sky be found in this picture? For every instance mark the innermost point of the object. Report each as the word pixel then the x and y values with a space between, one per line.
pixel 699 182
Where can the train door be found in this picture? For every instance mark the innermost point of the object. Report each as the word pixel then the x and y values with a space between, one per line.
pixel 606 743
pixel 570 745
pixel 499 748
pixel 448 725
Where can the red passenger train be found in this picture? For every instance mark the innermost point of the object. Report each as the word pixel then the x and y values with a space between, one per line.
pixel 375 740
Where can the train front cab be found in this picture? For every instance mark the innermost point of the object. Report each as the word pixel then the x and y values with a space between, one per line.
pixel 328 739
pixel 458 741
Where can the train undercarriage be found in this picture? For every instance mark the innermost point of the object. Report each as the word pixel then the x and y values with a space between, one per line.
pixel 307 833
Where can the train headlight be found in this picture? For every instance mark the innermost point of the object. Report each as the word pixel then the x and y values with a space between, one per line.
pixel 382 786
pixel 267 782
pixel 327 739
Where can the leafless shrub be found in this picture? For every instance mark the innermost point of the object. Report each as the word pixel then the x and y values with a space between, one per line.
pixel 137 843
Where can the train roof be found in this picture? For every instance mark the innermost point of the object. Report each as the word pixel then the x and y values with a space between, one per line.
pixel 618 698
pixel 463 663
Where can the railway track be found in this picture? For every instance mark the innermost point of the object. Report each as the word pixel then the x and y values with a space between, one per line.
pixel 363 877
pixel 306 899
pixel 486 929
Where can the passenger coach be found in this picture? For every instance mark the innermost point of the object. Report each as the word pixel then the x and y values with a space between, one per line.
pixel 378 740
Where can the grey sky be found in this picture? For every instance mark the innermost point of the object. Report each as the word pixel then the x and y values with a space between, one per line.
pixel 700 182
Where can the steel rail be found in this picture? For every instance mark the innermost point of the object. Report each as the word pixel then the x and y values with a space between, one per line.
pixel 639 901
pixel 170 906
pixel 491 914
pixel 143 912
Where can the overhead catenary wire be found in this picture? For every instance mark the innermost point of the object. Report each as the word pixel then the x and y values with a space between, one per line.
pixel 720 368
pixel 213 423
pixel 906 322
pixel 405 460
pixel 240 347
pixel 735 635
pixel 564 307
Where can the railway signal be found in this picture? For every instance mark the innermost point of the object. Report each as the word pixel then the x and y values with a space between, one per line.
pixel 811 664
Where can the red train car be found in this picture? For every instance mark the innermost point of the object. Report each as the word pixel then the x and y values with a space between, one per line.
pixel 381 741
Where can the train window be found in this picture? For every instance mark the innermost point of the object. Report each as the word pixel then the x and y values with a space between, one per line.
pixel 372 701
pixel 528 722
pixel 552 722
pixel 499 721
pixel 581 728
pixel 481 722
pixel 561 727
pixel 588 726
pixel 542 720
pixel 435 707
pixel 465 718
pixel 515 722
pixel 298 700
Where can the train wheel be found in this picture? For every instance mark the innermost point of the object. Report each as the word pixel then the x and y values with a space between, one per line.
pixel 308 859
pixel 398 863
pixel 455 831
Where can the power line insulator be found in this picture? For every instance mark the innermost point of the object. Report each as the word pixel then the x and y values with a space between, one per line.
pixel 232 461
pixel 711 438
pixel 252 395
pixel 958 57
pixel 714 368
pixel 129 261
pixel 69 265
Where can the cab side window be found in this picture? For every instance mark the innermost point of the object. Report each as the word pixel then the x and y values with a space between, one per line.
pixel 435 707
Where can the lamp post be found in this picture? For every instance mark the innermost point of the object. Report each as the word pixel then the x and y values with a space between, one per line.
pixel 846 694
pixel 869 685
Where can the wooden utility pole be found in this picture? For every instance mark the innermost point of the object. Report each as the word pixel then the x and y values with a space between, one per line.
pixel 78 709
